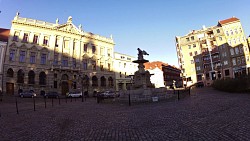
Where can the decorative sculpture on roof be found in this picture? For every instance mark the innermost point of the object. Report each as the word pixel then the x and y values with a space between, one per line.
pixel 141 53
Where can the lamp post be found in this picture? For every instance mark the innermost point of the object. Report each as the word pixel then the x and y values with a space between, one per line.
pixel 82 86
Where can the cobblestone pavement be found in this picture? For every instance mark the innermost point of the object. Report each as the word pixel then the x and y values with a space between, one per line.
pixel 206 115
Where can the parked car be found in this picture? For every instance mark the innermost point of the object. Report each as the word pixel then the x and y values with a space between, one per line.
pixel 107 94
pixel 74 94
pixel 27 94
pixel 51 95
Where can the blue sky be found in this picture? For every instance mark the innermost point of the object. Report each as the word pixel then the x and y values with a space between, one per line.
pixel 148 24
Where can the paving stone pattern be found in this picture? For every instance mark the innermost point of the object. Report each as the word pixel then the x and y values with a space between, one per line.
pixel 206 115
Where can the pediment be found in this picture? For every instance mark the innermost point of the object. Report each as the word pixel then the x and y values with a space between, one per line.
pixel 86 56
pixel 33 48
pixel 44 50
pixel 69 27
pixel 23 46
pixel 13 45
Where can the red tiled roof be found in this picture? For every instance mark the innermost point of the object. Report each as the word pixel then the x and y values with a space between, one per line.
pixel 4 34
pixel 233 19
pixel 153 65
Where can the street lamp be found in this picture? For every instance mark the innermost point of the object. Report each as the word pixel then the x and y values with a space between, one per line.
pixel 82 86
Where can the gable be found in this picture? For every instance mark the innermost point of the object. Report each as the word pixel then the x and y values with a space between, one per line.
pixel 69 27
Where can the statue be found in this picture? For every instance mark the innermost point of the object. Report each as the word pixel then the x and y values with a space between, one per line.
pixel 141 53
pixel 57 21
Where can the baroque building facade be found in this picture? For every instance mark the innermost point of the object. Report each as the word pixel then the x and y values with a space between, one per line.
pixel 124 70
pixel 214 52
pixel 44 57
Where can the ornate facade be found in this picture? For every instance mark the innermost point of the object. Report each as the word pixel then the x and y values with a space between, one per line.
pixel 44 56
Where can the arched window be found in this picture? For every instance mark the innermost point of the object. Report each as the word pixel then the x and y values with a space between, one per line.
pixel 42 78
pixel 111 82
pixel 103 81
pixel 20 76
pixel 31 79
pixel 65 77
pixel 94 81
pixel 10 72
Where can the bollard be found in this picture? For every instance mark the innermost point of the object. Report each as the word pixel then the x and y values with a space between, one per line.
pixel 129 100
pixel 45 103
pixel 34 102
pixel 52 102
pixel 17 107
pixel 189 91
pixel 178 95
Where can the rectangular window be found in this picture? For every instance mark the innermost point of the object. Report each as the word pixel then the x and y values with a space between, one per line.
pixel 85 47
pixel 191 61
pixel 85 64
pixel 232 51
pixel 225 62
pixel 189 46
pixel 198 68
pixel 32 57
pixel 190 54
pixel 74 62
pixel 243 61
pixel 236 50
pixel 238 60
pixel 55 84
pixel 197 60
pixel 234 61
pixel 55 59
pixel 195 53
pixel 109 52
pixel 15 37
pixel 231 32
pixel 194 45
pixel 227 33
pixel 109 67
pixel 57 40
pixel 22 56
pixel 93 49
pixel 227 73
pixel 187 39
pixel 220 38
pixel 45 41
pixel 199 77
pixel 102 51
pixel 93 65
pixel 25 37
pixel 12 55
pixel 192 38
pixel 218 30
pixel 35 39
pixel 43 58
pixel 101 66
pixel 65 62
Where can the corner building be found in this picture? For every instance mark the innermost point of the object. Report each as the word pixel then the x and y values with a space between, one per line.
pixel 214 52
pixel 44 57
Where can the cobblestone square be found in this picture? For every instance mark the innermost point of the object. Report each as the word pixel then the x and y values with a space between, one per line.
pixel 206 115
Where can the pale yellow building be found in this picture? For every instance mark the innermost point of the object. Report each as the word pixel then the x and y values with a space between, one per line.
pixel 124 70
pixel 44 57
pixel 214 52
